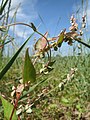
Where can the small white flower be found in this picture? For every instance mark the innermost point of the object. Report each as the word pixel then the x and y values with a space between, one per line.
pixel 60 85
pixel 13 87
pixel 18 111
pixel 28 108
pixel 12 93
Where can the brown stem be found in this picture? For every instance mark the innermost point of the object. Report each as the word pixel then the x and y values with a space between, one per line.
pixel 82 42
pixel 21 23
pixel 15 106
pixel 18 23
pixel 35 61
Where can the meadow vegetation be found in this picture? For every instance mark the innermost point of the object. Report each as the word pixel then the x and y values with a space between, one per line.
pixel 43 86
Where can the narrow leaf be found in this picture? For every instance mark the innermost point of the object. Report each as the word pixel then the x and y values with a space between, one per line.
pixel 8 108
pixel 23 97
pixel 61 37
pixel 9 64
pixel 29 73
pixel 1 45
pixel 2 7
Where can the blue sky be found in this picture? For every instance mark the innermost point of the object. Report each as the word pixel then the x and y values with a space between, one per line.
pixel 54 13
pixel 51 12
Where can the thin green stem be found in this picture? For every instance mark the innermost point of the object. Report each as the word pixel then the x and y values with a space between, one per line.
pixel 18 23
pixel 28 25
pixel 21 23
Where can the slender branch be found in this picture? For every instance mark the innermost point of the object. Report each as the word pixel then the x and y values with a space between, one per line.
pixel 5 43
pixel 87 45
pixel 15 106
pixel 35 61
pixel 18 23
pixel 28 25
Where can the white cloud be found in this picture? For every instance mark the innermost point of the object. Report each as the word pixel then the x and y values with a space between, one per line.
pixel 23 16
pixel 88 16
pixel 23 11
pixel 26 13
pixel 21 31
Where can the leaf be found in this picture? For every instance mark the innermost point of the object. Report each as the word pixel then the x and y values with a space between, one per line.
pixel 41 43
pixel 79 108
pixel 9 64
pixel 64 100
pixel 29 73
pixel 60 40
pixel 52 106
pixel 23 97
pixel 1 45
pixel 2 7
pixel 8 107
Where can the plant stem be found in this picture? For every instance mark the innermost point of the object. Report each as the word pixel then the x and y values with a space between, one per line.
pixel 21 23
pixel 15 106
pixel 82 42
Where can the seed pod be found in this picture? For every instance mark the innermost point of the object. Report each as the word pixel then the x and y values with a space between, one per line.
pixel 59 45
pixel 55 48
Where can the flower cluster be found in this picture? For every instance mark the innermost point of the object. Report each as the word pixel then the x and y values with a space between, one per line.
pixel 84 21
pixel 74 25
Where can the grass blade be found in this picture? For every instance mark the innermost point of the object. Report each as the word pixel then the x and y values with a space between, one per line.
pixel 2 7
pixel 9 64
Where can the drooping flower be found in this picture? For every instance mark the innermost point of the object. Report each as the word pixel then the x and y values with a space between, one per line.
pixel 74 25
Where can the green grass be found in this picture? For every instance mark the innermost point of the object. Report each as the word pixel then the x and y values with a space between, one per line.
pixel 71 103
pixel 48 101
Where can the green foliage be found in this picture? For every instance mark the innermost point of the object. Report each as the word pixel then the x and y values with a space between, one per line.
pixel 60 40
pixel 8 108
pixel 55 95
pixel 2 7
pixel 29 73
pixel 74 96
pixel 31 89
pixel 3 29
pixel 64 100
pixel 9 64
